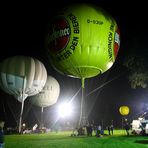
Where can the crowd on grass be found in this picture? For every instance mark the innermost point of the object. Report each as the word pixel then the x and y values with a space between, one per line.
pixel 97 130
pixel 89 129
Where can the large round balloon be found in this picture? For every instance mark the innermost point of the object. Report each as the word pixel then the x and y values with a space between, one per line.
pixel 124 110
pixel 82 41
pixel 49 94
pixel 22 76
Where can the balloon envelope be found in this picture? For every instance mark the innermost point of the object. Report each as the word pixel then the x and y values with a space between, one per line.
pixel 22 76
pixel 49 94
pixel 82 41
pixel 124 110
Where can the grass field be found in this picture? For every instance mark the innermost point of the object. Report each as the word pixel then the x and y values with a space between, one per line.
pixel 64 140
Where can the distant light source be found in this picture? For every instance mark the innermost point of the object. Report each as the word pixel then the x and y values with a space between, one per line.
pixel 65 110
pixel 24 125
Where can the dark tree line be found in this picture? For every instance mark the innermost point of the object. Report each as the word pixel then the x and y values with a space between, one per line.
pixel 137 66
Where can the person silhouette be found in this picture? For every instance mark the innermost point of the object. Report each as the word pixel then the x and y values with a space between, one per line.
pixel 112 129
pixel 2 134
pixel 127 127
pixel 108 128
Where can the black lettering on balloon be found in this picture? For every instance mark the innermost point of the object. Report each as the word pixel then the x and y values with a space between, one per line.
pixel 110 40
pixel 75 23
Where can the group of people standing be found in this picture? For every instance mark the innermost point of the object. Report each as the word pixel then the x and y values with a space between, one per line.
pixel 90 128
pixel 98 130
pixel 110 129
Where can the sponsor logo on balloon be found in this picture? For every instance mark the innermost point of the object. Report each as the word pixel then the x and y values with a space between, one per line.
pixel 113 41
pixel 116 42
pixel 59 35
pixel 73 38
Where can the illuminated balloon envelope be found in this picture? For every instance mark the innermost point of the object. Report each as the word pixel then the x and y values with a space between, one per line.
pixel 82 41
pixel 48 96
pixel 124 110
pixel 22 76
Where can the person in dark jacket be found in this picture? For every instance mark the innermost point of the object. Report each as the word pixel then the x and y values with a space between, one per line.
pixel 127 128
pixel 112 129
pixel 2 134
pixel 108 128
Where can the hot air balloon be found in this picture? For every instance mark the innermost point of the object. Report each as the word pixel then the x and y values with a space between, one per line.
pixel 48 96
pixel 22 76
pixel 124 110
pixel 82 42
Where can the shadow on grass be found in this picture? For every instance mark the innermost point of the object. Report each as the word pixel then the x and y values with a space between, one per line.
pixel 142 141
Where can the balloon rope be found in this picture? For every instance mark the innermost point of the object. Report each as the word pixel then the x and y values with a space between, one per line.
pixel 82 120
pixel 102 85
pixel 81 109
pixel 42 108
pixel 73 97
pixel 28 109
pixel 22 106
pixel 83 82
pixel 20 121
pixel 15 115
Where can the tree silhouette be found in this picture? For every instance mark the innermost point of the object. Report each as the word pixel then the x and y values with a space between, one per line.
pixel 138 70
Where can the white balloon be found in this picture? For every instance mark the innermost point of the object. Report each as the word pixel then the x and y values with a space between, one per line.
pixel 49 94
pixel 22 76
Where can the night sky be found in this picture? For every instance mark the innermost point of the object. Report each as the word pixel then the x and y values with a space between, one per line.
pixel 22 30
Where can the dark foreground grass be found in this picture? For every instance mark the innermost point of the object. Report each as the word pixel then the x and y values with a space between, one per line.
pixel 64 140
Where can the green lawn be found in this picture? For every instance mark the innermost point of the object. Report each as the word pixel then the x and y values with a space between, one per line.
pixel 64 140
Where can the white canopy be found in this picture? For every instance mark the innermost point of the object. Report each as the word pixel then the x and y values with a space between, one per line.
pixel 22 76
pixel 49 94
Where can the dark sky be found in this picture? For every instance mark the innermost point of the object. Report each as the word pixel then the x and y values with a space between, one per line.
pixel 22 32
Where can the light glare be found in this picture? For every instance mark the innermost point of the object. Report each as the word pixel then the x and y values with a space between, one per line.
pixel 65 110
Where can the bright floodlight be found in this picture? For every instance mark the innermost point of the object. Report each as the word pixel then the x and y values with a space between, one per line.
pixel 65 110
pixel 23 124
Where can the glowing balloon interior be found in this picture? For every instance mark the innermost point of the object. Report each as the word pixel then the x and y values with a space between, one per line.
pixel 124 110
pixel 49 94
pixel 22 76
pixel 82 41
